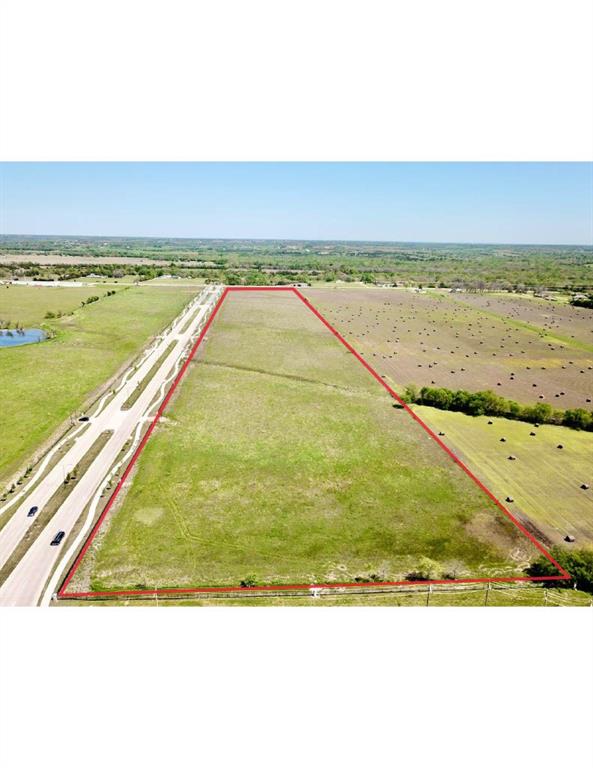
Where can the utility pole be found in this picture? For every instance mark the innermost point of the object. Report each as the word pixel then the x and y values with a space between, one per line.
pixel 428 594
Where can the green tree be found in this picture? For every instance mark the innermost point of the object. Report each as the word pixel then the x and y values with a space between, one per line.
pixel 577 562
pixel 578 418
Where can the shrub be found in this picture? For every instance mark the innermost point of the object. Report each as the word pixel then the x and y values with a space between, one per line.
pixel 578 563
pixel 578 418
pixel 411 393
pixel 583 302
pixel 418 576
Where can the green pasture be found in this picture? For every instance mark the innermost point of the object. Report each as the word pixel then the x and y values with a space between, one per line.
pixel 282 461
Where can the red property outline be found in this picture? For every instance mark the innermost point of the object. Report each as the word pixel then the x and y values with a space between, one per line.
pixel 63 594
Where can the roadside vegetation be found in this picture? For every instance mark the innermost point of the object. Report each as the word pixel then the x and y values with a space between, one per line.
pixel 45 515
pixel 44 384
pixel 141 386
pixel 469 596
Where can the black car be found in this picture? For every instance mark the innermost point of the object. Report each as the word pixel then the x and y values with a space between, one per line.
pixel 83 418
pixel 57 538
pixel 32 511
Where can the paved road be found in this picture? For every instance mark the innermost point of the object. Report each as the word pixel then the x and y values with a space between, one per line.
pixel 25 584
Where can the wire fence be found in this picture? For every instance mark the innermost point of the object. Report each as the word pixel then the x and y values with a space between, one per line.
pixel 478 594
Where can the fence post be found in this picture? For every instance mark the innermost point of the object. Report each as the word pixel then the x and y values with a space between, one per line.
pixel 488 588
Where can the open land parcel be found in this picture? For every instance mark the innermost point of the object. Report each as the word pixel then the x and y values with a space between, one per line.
pixel 282 461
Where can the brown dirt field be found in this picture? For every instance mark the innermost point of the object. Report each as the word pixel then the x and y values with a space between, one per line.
pixel 434 339
pixel 556 318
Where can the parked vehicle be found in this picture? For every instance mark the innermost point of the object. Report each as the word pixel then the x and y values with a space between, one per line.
pixel 32 511
pixel 57 539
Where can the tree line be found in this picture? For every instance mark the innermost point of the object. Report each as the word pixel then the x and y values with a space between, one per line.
pixel 489 403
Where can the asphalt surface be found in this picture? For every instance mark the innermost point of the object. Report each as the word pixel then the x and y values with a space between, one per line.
pixel 25 583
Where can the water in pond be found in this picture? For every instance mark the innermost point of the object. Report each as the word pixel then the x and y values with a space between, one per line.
pixel 12 338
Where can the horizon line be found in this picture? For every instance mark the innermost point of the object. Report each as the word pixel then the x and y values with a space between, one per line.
pixel 297 240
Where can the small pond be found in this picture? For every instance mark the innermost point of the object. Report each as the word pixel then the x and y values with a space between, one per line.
pixel 14 338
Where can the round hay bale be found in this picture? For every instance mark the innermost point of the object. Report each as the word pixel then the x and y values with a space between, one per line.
pixel 503 439
pixel 569 538
pixel 512 458
pixel 585 486
pixel 560 445
pixel 509 499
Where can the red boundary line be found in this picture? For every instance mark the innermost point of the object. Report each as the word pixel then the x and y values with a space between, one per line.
pixel 63 594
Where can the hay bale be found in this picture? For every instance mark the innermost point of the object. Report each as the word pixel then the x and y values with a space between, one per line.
pixel 503 439
pixel 569 538
pixel 509 499
pixel 512 458
pixel 584 486
pixel 560 445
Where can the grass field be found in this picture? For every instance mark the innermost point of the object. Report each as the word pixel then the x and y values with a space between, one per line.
pixel 42 384
pixel 544 481
pixel 27 305
pixel 491 342
pixel 282 461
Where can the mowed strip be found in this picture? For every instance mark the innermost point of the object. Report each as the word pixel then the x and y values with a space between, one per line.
pixel 283 461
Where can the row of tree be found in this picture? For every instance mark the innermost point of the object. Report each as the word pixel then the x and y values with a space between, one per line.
pixel 490 404
pixel 446 270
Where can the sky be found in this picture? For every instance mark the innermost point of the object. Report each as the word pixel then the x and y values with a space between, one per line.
pixel 536 203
